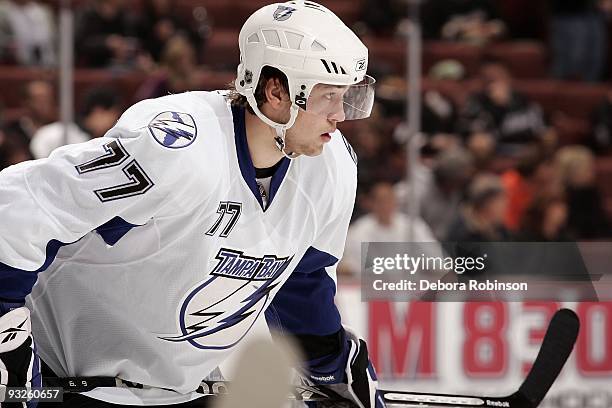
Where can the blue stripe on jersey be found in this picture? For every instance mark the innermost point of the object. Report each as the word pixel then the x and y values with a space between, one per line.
pixel 305 303
pixel 242 151
pixel 247 169
pixel 314 260
pixel 16 284
pixel 113 230
pixel 277 179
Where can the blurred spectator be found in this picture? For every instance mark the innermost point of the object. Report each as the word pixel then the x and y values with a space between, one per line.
pixel 601 138
pixel 438 112
pixel 578 39
pixel 10 152
pixel 473 21
pixel 438 116
pixel 452 172
pixel 506 115
pixel 482 216
pixel 439 195
pixel 383 223
pixel 545 220
pixel 105 35
pixel 414 192
pixel 447 69
pixel 39 106
pixel 27 32
pixel 587 218
pixel 391 91
pixel 178 72
pixel 370 145
pixel 532 174
pixel 160 21
pixel 101 110
pixel 482 148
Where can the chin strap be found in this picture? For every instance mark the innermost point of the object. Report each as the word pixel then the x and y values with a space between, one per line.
pixel 279 140
pixel 280 128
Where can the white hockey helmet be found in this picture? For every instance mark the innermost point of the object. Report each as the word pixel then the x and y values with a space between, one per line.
pixel 310 45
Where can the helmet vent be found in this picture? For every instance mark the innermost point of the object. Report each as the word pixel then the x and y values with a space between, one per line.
pixel 307 4
pixel 253 38
pixel 317 46
pixel 294 40
pixel 272 37
pixel 335 67
pixel 332 68
pixel 326 65
pixel 313 5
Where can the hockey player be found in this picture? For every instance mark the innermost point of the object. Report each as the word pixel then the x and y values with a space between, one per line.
pixel 151 253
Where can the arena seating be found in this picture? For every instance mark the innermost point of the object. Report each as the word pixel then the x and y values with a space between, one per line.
pixel 568 105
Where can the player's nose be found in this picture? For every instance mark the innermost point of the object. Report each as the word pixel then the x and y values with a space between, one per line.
pixel 338 114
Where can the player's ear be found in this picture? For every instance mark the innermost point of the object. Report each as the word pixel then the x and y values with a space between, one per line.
pixel 276 95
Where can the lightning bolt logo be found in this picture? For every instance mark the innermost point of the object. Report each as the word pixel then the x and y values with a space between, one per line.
pixel 282 13
pixel 206 316
pixel 173 129
pixel 227 314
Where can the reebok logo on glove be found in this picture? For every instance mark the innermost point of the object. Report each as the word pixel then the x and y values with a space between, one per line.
pixel 325 379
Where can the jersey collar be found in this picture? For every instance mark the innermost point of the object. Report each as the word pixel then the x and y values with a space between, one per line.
pixel 247 169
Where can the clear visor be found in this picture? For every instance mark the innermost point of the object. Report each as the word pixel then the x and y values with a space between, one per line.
pixel 342 102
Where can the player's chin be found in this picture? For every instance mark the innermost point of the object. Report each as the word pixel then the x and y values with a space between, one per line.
pixel 316 150
pixel 311 150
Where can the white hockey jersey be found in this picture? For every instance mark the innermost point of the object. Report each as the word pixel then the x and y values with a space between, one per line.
pixel 152 255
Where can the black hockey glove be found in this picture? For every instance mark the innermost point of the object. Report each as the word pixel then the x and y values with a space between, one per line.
pixel 350 374
pixel 19 363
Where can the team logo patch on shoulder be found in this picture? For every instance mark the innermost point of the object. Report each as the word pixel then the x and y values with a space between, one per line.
pixel 283 13
pixel 173 129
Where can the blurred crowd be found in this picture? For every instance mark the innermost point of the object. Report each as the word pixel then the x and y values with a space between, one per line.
pixel 108 33
pixel 154 40
pixel 576 31
pixel 491 168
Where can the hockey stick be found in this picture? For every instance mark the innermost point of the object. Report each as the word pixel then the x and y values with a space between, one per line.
pixel 556 347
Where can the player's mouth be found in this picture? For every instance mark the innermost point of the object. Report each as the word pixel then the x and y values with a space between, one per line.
pixel 326 137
